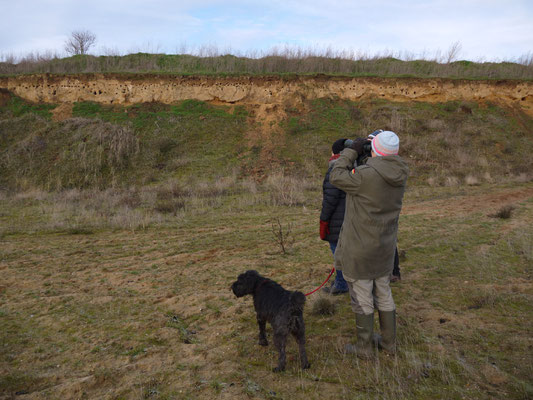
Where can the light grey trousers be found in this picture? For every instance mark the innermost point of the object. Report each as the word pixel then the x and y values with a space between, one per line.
pixel 367 294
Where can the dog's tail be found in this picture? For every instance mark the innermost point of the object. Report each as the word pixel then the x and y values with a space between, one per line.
pixel 297 301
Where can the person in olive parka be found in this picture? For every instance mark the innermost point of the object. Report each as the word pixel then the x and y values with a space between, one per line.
pixel 367 241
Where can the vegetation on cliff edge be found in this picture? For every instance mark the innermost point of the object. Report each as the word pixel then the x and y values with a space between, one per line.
pixel 272 64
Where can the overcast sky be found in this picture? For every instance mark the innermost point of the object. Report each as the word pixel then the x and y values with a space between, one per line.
pixel 486 29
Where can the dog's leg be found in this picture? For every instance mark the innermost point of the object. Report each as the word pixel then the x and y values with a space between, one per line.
pixel 299 335
pixel 262 334
pixel 280 340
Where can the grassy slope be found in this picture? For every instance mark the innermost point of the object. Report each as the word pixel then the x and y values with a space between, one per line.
pixel 105 146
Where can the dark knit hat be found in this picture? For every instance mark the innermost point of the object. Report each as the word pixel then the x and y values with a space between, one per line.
pixel 375 133
pixel 338 146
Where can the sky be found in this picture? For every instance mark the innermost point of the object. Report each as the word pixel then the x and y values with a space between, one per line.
pixel 485 30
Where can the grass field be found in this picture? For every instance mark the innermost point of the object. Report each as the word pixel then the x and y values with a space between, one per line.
pixel 122 229
pixel 134 302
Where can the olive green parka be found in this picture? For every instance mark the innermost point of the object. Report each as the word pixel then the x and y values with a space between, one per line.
pixel 374 194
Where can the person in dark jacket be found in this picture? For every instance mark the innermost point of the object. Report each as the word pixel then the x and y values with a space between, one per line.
pixel 332 216
pixel 367 242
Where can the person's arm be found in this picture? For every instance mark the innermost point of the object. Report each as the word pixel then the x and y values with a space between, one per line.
pixel 343 176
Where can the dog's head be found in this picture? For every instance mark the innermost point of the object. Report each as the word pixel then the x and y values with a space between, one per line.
pixel 246 283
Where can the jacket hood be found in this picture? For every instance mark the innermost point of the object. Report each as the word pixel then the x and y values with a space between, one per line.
pixel 391 168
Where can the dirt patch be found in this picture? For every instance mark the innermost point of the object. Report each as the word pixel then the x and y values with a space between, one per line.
pixel 468 204
pixel 62 112
pixel 265 135
pixel 5 96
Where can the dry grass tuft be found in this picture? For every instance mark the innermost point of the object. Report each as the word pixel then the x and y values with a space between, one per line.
pixel 285 190
pixel 522 242
pixel 170 206
pixel 504 212
pixel 488 177
pixel 452 181
pixel 487 298
pixel 323 306
pixel 471 180
pixel 432 181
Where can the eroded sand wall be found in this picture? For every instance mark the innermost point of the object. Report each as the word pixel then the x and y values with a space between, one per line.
pixel 127 90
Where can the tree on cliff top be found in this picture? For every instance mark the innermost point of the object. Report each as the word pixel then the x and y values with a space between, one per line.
pixel 80 42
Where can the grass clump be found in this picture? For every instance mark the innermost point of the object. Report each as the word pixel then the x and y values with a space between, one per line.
pixel 505 212
pixel 323 306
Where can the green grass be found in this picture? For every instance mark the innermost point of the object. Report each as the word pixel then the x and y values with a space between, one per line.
pixel 18 107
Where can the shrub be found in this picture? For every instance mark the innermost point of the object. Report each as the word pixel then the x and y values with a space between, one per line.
pixel 282 234
pixel 471 180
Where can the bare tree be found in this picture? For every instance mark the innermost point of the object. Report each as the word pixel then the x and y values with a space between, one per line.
pixel 453 52
pixel 80 42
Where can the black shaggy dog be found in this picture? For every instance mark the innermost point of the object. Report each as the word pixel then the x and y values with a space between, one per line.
pixel 282 308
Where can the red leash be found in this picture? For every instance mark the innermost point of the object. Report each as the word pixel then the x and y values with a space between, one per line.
pixel 327 279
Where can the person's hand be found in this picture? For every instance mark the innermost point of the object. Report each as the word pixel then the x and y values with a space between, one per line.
pixel 357 145
pixel 324 229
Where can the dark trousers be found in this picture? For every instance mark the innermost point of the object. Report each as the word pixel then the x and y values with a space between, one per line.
pixel 396 269
pixel 339 282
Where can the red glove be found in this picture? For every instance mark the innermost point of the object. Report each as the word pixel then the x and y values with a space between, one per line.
pixel 324 229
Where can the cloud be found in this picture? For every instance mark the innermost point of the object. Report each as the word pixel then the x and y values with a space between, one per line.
pixel 488 28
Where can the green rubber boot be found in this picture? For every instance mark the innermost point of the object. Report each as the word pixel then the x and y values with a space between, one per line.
pixel 365 328
pixel 387 325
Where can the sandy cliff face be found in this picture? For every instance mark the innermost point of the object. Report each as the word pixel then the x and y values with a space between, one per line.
pixel 265 91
